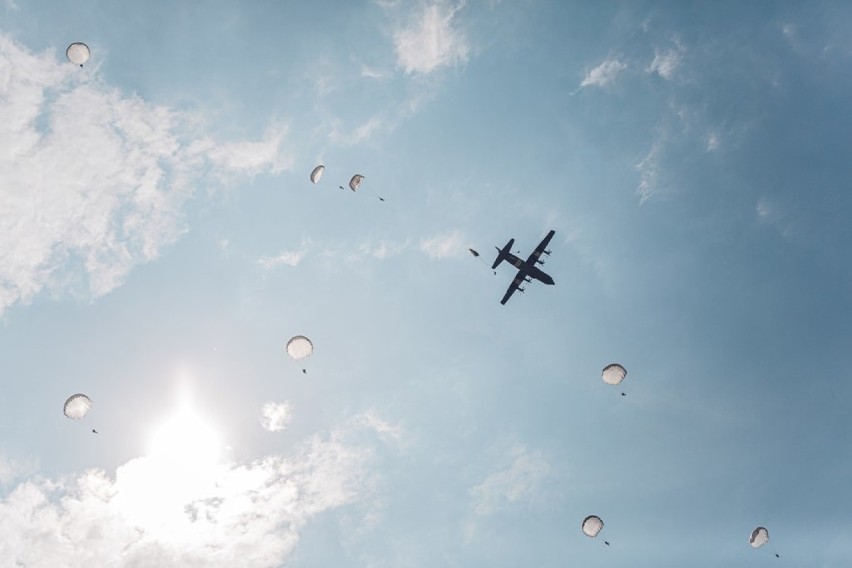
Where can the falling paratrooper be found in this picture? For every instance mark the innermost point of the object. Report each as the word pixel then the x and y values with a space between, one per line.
pixel 613 374
pixel 77 406
pixel 476 255
pixel 759 537
pixel 355 183
pixel 592 525
pixel 298 348
pixel 78 53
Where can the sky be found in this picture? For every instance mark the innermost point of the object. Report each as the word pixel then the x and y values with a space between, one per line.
pixel 160 241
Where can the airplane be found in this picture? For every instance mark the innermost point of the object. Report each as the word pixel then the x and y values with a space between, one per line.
pixel 527 269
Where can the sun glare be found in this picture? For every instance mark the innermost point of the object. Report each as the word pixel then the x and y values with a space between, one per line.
pixel 182 465
pixel 185 441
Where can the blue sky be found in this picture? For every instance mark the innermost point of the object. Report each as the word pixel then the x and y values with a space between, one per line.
pixel 162 242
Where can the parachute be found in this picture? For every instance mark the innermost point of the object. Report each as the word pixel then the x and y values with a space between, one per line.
pixel 77 406
pixel 317 173
pixel 759 537
pixel 355 182
pixel 78 53
pixel 299 347
pixel 592 525
pixel 613 374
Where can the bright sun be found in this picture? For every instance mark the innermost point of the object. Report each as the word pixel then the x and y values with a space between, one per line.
pixel 182 465
pixel 185 441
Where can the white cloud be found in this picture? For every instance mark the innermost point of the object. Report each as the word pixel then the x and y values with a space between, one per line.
pixel 649 172
pixel 235 515
pixel 93 182
pixel 275 416
pixel 445 245
pixel 371 73
pixel 290 258
pixel 518 482
pixel 712 142
pixel 385 429
pixel 11 469
pixel 359 133
pixel 665 63
pixel 431 42
pixel 603 74
pixel 380 251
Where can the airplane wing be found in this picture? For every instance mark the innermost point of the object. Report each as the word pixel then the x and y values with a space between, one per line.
pixel 516 283
pixel 542 246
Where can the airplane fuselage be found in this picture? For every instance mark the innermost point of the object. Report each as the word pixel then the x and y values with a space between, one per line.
pixel 529 269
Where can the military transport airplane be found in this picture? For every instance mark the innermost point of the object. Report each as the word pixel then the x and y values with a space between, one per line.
pixel 527 269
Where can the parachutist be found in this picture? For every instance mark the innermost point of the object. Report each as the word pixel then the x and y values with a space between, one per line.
pixel 94 431
pixel 622 394
pixel 340 186
pixel 381 198
pixel 606 542
pixel 304 371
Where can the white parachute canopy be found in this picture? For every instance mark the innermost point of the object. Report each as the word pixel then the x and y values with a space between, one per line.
pixel 77 406
pixel 317 173
pixel 592 525
pixel 613 374
pixel 355 182
pixel 78 53
pixel 759 537
pixel 299 347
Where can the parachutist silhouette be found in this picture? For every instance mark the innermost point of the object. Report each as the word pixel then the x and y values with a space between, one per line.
pixel 305 371
pixel 340 186
pixel 606 542
pixel 622 394
pixel 381 198
pixel 94 431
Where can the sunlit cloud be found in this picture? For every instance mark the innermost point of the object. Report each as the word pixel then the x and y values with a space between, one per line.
pixel 431 42
pixel 604 74
pixel 444 245
pixel 247 514
pixel 94 181
pixel 275 416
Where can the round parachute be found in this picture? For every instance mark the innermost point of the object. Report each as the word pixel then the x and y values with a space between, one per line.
pixel 317 173
pixel 592 525
pixel 299 347
pixel 355 182
pixel 78 53
pixel 759 537
pixel 613 374
pixel 77 406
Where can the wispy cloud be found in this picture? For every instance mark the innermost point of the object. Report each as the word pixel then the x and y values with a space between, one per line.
pixel 518 482
pixel 444 245
pixel 649 172
pixel 94 181
pixel 665 63
pixel 379 250
pixel 275 416
pixel 248 514
pixel 604 74
pixel 289 257
pixel 431 42
pixel 358 134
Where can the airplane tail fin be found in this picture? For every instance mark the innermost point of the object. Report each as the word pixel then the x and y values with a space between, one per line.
pixel 501 254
